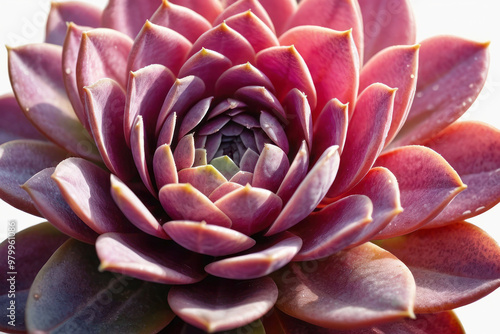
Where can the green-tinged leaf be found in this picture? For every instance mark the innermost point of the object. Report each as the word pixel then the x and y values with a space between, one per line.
pixel 70 295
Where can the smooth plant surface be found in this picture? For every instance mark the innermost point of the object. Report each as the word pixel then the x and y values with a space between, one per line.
pixel 247 166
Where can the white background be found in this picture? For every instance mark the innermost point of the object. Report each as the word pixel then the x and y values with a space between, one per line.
pixel 22 21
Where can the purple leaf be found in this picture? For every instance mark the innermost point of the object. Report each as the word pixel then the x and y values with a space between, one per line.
pixel 149 259
pixel 49 202
pixel 218 304
pixel 19 161
pixel 94 302
pixel 32 247
pixel 207 239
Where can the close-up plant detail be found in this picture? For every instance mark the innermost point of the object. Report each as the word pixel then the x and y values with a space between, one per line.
pixel 272 166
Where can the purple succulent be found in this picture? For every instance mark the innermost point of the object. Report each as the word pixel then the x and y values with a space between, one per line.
pixel 247 167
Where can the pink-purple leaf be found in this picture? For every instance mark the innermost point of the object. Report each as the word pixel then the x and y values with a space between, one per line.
pixel 19 161
pixel 395 67
pixel 146 92
pixel 185 21
pixel 209 9
pixel 37 81
pixel 104 105
pixel 309 193
pixel 206 65
pixel 49 202
pixel 271 168
pixel 61 13
pixel 226 41
pixel 332 59
pixel 158 45
pixel 184 152
pixel 366 134
pixel 256 32
pixel 330 128
pixel 207 239
pixel 149 259
pixel 381 186
pixel 184 202
pixel 234 78
pixel 337 15
pixel 380 289
pixel 448 83
pixel 286 69
pixel 280 12
pixel 386 23
pixel 299 125
pixel 427 183
pixel 93 302
pixel 13 124
pixel 128 16
pixel 141 153
pixel 98 58
pixel 179 99
pixel 473 150
pixel 250 209
pixel 134 209
pixel 241 6
pixel 71 48
pixel 433 323
pixel 453 265
pixel 296 173
pixel 333 228
pixel 218 304
pixel 33 247
pixel 85 187
pixel 266 257
pixel 164 167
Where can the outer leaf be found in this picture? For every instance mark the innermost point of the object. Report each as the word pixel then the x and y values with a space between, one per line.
pixel 448 83
pixel 473 150
pixel 19 161
pixel 386 23
pixel 13 124
pixel 36 77
pixel 158 45
pixel 99 59
pixel 338 15
pixel 128 16
pixel 453 265
pixel 380 288
pixel 396 67
pixel 30 249
pixel 209 9
pixel 61 13
pixel 427 183
pixel 217 304
pixel 434 323
pixel 94 302
pixel 185 21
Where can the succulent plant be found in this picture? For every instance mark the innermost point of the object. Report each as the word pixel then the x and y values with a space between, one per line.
pixel 247 167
